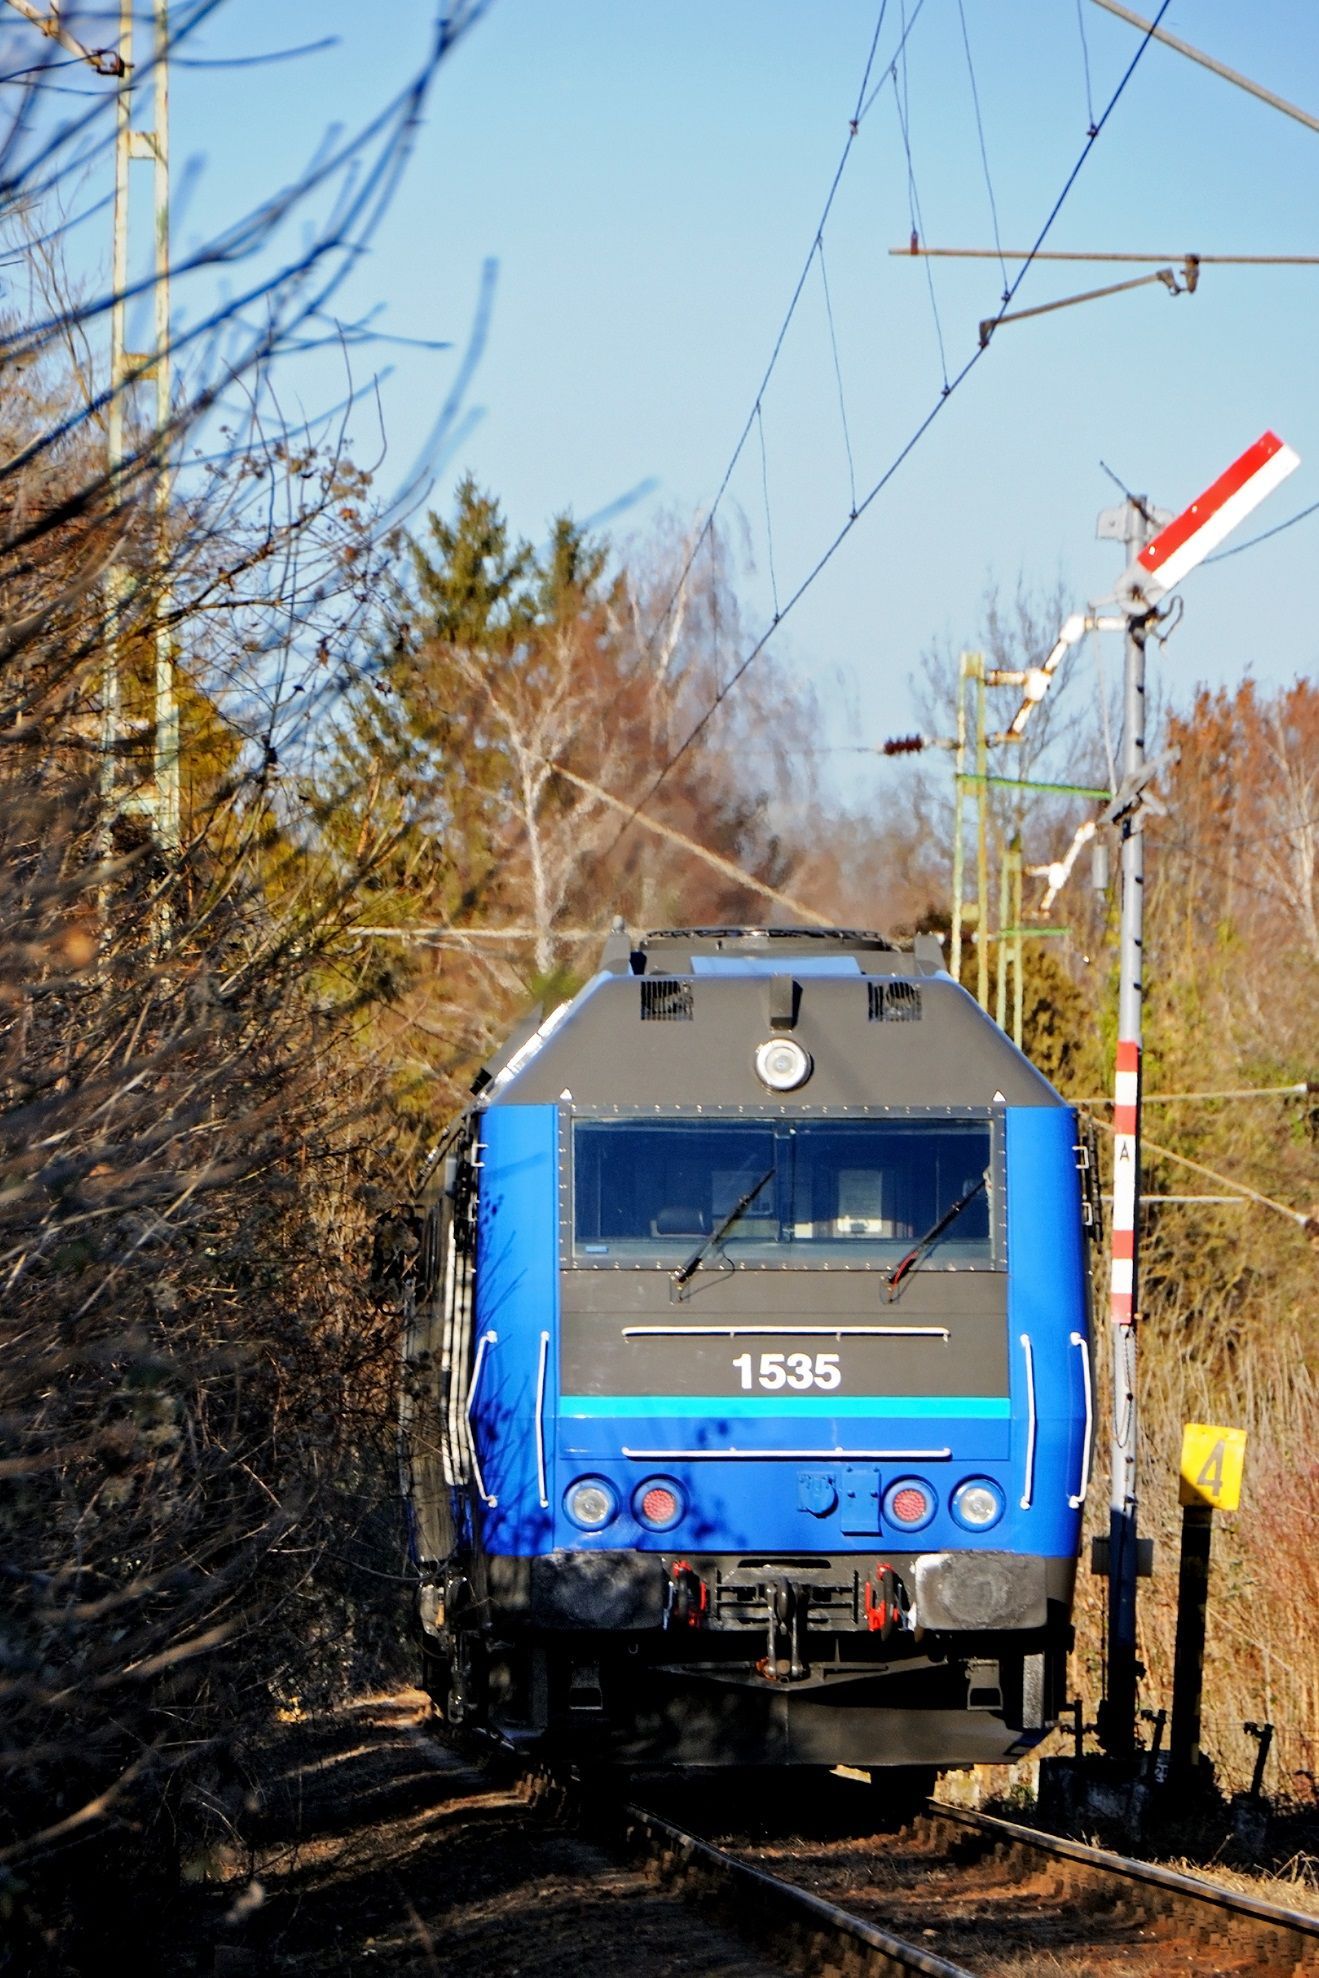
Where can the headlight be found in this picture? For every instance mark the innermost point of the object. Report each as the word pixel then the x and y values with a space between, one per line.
pixel 590 1503
pixel 977 1504
pixel 782 1064
pixel 909 1504
pixel 658 1503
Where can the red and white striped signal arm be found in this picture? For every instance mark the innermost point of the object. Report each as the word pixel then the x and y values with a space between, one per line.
pixel 1199 529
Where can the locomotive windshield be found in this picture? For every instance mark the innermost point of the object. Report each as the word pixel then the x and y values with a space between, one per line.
pixel 853 1192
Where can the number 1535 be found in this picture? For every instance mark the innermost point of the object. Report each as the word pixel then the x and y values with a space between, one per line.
pixel 797 1370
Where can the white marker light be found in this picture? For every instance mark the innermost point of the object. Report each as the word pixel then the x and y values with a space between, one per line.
pixel 782 1065
pixel 977 1504
pixel 590 1503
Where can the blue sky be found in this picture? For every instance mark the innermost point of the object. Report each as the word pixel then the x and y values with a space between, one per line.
pixel 649 178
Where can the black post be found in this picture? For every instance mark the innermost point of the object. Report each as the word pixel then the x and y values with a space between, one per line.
pixel 1189 1656
pixel 1264 1732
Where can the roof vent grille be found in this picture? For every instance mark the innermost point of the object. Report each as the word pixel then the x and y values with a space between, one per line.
pixel 664 1000
pixel 894 1002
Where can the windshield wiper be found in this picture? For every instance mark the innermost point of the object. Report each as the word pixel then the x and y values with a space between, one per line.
pixel 932 1235
pixel 717 1235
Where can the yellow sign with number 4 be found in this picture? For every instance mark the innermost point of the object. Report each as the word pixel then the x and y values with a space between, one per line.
pixel 1212 1461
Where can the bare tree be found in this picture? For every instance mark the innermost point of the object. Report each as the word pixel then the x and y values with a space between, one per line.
pixel 193 1376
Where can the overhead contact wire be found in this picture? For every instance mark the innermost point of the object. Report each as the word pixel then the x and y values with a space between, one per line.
pixel 888 73
pixel 1299 1217
pixel 1092 138
pixel 902 98
pixel 1276 530
pixel 980 133
pixel 769 520
pixel 859 111
pixel 838 374
pixel 1085 63
pixel 854 125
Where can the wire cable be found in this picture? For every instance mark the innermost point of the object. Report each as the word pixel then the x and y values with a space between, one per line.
pixel 1301 1090
pixel 1298 1216
pixel 838 374
pixel 864 104
pixel 895 463
pixel 716 620
pixel 887 76
pixel 860 109
pixel 1085 63
pixel 1178 848
pixel 769 519
pixel 980 133
pixel 901 96
pixel 1276 530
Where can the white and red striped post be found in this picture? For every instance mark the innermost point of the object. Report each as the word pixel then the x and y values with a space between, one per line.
pixel 1119 1709
pixel 1158 566
pixel 1126 1168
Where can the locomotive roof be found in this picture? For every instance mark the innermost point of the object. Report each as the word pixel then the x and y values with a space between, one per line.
pixel 673 1019
pixel 666 944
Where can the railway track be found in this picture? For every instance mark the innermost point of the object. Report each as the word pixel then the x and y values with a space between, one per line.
pixel 804 1931
pixel 964 1895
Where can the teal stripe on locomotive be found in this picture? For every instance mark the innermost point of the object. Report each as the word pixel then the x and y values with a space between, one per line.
pixel 877 1407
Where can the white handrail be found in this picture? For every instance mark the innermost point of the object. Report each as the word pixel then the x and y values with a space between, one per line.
pixel 786 1330
pixel 487 1339
pixel 1028 1483
pixel 540 1421
pixel 1075 1503
pixel 794 1455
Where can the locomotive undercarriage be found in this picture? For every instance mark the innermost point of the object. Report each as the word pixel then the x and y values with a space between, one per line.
pixel 740 1662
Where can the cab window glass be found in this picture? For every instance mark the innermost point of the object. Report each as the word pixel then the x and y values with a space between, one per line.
pixel 813 1191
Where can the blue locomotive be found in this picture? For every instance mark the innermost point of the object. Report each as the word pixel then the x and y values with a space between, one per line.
pixel 747 1390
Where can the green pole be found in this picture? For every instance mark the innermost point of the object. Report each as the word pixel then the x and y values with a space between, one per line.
pixel 1001 953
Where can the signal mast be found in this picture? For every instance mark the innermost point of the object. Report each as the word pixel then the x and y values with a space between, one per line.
pixel 1165 551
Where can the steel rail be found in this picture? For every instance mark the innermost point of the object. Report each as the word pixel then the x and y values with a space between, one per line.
pixel 796 1927
pixel 770 1901
pixel 1175 1887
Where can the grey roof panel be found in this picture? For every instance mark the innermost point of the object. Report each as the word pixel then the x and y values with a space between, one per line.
pixel 601 1052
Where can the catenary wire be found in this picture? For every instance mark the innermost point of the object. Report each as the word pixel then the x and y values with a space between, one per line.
pixel 769 519
pixel 902 43
pixel 1085 64
pixel 1301 1090
pixel 1178 848
pixel 859 111
pixel 1296 1216
pixel 864 105
pixel 838 374
pixel 902 98
pixel 854 124
pixel 1276 530
pixel 980 133
pixel 914 439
